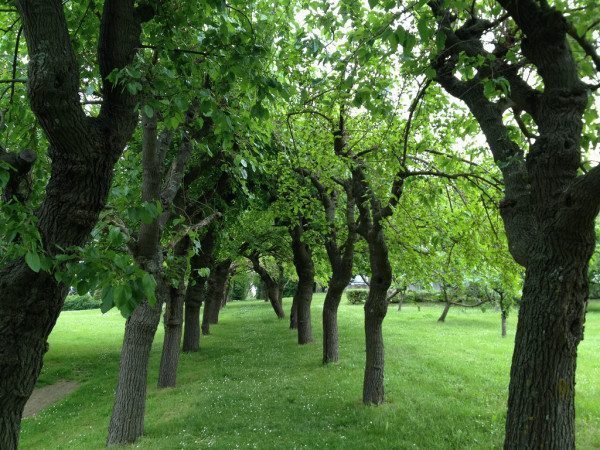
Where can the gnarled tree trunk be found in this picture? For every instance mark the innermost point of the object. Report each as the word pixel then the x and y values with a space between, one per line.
pixel 306 280
pixel 271 285
pixel 548 210
pixel 542 415
pixel 375 312
pixel 340 257
pixel 83 152
pixel 127 421
pixel 217 290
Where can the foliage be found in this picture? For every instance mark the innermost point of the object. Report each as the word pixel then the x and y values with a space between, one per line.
pixel 240 285
pixel 357 296
pixel 75 302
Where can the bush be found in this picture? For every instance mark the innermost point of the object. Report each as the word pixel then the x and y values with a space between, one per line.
pixel 240 286
pixel 80 302
pixel 357 296
pixel 423 297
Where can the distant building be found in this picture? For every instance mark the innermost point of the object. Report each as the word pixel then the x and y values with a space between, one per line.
pixel 359 281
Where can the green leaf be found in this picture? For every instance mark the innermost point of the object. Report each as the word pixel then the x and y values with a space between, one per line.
pixel 149 111
pixel 204 272
pixel 149 288
pixel 33 261
pixel 107 299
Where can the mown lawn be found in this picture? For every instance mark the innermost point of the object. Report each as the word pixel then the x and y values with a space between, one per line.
pixel 252 386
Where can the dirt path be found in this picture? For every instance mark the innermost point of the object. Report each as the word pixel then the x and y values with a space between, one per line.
pixel 48 395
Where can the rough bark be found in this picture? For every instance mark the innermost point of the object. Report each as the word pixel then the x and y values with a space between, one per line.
pixel 447 305
pixel 375 311
pixel 148 253
pixel 83 151
pixel 371 215
pixel 341 258
pixel 173 323
pixel 127 420
pixel 503 317
pixel 217 289
pixel 294 314
pixel 195 293
pixel 544 359
pixel 548 211
pixel 302 256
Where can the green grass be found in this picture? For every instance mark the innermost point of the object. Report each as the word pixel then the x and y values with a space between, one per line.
pixel 252 386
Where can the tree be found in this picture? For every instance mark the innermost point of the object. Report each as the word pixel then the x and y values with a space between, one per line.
pixel 158 186
pixel 194 295
pixel 82 149
pixel 305 268
pixel 549 206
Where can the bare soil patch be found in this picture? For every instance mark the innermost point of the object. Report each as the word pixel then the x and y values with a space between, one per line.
pixel 48 395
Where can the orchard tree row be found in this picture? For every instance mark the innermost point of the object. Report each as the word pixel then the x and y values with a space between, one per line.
pixel 150 150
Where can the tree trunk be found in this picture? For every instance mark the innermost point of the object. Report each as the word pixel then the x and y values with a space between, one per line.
pixel 541 408
pixel 206 313
pixel 375 311
pixel 226 291
pixel 503 315
pixel 271 285
pixel 196 292
pixel 173 322
pixel 274 294
pixel 81 149
pixel 127 421
pixel 306 279
pixel 333 298
pixel 401 299
pixel 216 290
pixel 25 323
pixel 294 315
pixel 445 312
pixel 191 331
pixel 304 292
pixel 446 306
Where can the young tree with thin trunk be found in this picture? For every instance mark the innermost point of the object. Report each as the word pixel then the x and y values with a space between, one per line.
pixel 83 151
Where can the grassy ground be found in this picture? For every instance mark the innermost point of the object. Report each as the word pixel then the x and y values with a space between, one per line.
pixel 251 386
